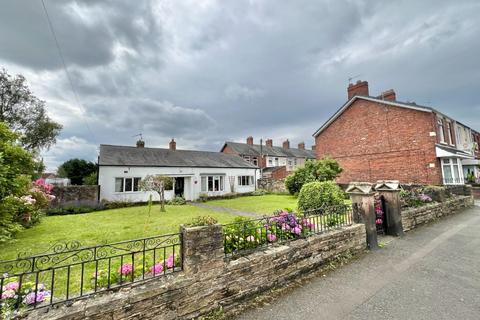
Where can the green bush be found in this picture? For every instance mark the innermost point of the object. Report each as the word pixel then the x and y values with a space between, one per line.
pixel 326 169
pixel 71 210
pixel 177 201
pixel 202 221
pixel 315 195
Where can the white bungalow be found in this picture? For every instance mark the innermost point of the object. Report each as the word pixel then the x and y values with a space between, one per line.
pixel 121 168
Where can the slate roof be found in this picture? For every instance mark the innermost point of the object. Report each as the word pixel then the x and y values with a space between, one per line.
pixel 254 150
pixel 111 155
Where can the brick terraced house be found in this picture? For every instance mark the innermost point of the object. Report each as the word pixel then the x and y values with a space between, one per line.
pixel 375 138
pixel 276 162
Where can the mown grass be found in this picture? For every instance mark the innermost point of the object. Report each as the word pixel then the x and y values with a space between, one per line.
pixel 266 204
pixel 104 227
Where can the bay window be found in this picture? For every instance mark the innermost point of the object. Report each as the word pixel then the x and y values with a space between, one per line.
pixel 212 183
pixel 452 171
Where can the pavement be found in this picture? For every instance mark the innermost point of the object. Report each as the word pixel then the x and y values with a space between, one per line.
pixel 431 273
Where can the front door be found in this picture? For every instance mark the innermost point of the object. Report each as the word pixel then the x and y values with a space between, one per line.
pixel 179 186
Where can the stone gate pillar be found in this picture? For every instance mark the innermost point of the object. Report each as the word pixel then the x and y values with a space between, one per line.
pixel 202 249
pixel 390 191
pixel 363 203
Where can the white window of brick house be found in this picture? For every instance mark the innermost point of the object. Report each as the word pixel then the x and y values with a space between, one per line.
pixel 255 161
pixel 441 132
pixel 270 162
pixel 449 133
pixel 452 171
pixel 276 162
pixel 127 184
pixel 245 180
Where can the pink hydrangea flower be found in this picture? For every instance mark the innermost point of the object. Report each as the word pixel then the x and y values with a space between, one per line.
pixel 8 294
pixel 12 286
pixel 41 295
pixel 126 269
pixel 157 268
pixel 271 237
pixel 379 221
pixel 297 230
pixel 170 261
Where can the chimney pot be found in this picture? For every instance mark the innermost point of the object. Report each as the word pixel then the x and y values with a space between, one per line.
pixel 388 95
pixel 140 144
pixel 269 143
pixel 301 146
pixel 172 145
pixel 286 144
pixel 250 141
pixel 358 89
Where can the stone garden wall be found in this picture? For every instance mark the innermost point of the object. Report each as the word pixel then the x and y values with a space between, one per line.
pixel 272 185
pixel 414 217
pixel 78 196
pixel 210 280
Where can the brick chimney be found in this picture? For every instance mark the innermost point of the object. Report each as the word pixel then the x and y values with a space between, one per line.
pixel 301 146
pixel 358 89
pixel 140 144
pixel 269 143
pixel 172 145
pixel 250 141
pixel 388 95
pixel 286 144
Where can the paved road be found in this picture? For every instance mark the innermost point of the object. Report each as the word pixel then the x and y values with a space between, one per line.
pixel 431 273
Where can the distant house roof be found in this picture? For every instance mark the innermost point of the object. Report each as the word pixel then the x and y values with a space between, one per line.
pixel 254 150
pixel 156 157
pixel 407 105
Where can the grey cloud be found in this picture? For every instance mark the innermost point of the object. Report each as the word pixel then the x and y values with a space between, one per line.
pixel 264 68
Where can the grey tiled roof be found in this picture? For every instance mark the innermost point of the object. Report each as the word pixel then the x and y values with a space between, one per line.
pixel 254 150
pixel 155 157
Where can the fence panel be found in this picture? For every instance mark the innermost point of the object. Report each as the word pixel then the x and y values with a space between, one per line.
pixel 246 236
pixel 69 271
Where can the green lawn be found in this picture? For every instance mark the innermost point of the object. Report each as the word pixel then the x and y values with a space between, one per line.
pixel 104 226
pixel 260 204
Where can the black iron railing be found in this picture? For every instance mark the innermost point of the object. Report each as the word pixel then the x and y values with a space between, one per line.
pixel 244 236
pixel 69 271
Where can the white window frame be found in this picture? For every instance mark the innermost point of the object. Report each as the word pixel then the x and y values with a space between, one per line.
pixel 124 184
pixel 245 181
pixel 441 129
pixel 449 132
pixel 452 163
pixel 217 183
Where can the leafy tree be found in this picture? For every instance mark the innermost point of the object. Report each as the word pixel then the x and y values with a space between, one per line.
pixel 25 114
pixel 91 179
pixel 16 167
pixel 326 169
pixel 76 170
pixel 158 184
pixel 316 195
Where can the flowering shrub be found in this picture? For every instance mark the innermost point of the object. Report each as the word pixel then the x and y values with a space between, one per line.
pixel 14 298
pixel 247 234
pixel 415 197
pixel 127 273
pixel 379 214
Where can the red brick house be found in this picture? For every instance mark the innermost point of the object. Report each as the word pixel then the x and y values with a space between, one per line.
pixel 276 161
pixel 375 138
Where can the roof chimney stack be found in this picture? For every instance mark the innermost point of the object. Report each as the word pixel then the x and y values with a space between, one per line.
pixel 388 95
pixel 250 141
pixel 140 144
pixel 286 144
pixel 358 89
pixel 301 146
pixel 172 145
pixel 269 143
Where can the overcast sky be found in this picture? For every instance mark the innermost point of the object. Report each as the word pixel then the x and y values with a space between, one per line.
pixel 208 71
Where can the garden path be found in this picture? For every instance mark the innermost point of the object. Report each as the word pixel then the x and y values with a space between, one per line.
pixel 224 209
pixel 431 273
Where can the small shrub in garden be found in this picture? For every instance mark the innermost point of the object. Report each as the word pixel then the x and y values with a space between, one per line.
pixel 177 201
pixel 202 197
pixel 12 294
pixel 414 198
pixel 316 195
pixel 259 192
pixel 202 221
